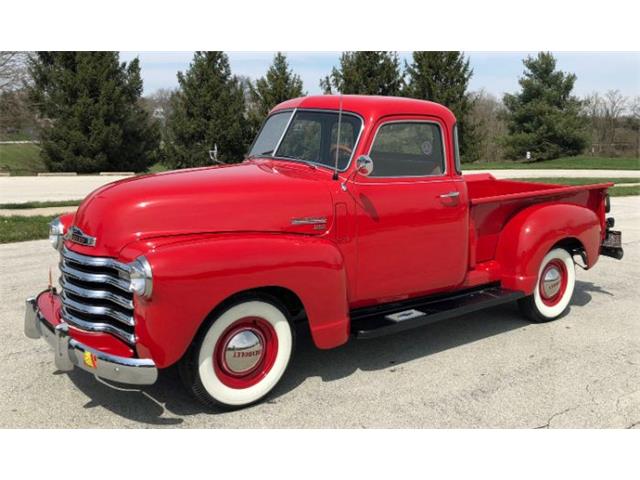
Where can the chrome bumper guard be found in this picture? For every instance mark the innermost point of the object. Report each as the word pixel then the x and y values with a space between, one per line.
pixel 69 352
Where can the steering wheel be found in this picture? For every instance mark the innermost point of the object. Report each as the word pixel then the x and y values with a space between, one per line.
pixel 342 148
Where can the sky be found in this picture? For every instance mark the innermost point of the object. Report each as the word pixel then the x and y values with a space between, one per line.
pixel 495 72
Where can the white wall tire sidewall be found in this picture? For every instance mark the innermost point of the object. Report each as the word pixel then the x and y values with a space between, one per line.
pixel 238 397
pixel 556 310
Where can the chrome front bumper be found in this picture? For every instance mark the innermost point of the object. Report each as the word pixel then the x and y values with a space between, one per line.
pixel 70 353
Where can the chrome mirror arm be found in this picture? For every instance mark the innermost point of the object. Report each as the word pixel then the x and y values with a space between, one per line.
pixel 364 167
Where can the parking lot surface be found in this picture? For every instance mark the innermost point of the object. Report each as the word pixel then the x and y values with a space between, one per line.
pixel 46 189
pixel 489 369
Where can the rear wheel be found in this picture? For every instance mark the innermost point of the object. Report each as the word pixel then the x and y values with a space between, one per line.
pixel 241 356
pixel 554 288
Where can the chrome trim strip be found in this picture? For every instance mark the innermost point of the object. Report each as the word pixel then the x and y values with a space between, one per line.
pixel 97 327
pixel 97 310
pixel 94 277
pixel 95 261
pixel 100 294
pixel 413 120
pixel 309 221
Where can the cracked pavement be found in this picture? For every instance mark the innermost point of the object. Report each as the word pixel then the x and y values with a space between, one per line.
pixel 490 369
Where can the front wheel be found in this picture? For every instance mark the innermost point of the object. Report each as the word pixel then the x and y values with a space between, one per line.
pixel 554 288
pixel 241 356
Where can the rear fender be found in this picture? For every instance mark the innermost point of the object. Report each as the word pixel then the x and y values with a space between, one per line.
pixel 190 279
pixel 529 235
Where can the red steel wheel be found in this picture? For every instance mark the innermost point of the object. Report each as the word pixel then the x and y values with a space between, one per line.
pixel 245 353
pixel 554 288
pixel 553 282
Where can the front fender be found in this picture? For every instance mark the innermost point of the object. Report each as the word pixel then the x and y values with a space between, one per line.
pixel 191 278
pixel 529 235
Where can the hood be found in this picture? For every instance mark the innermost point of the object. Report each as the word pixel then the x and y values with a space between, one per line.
pixel 256 196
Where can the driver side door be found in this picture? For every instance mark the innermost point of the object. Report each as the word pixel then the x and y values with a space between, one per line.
pixel 411 222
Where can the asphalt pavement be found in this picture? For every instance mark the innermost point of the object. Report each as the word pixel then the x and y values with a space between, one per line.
pixel 488 369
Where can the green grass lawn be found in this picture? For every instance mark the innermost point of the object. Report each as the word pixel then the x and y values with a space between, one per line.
pixel 624 191
pixel 20 229
pixel 614 192
pixel 21 159
pixel 579 162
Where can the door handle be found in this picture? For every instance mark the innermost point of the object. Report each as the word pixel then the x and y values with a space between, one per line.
pixel 449 199
pixel 450 195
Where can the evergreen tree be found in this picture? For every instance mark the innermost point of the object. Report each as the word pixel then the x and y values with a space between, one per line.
pixel 95 121
pixel 278 85
pixel 443 77
pixel 365 73
pixel 544 118
pixel 207 110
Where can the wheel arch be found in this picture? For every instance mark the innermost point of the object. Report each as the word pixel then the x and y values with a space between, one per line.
pixel 304 274
pixel 534 231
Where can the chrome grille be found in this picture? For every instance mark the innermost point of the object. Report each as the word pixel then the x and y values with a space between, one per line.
pixel 95 295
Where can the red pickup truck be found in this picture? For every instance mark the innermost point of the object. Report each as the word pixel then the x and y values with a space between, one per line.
pixel 350 215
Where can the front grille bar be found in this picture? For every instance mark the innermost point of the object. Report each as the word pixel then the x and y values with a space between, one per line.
pixel 95 294
pixel 94 277
pixel 96 310
pixel 97 327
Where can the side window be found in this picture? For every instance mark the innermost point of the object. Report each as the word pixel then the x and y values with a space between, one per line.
pixel 407 149
pixel 456 149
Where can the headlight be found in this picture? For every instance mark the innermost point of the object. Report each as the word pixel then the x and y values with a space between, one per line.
pixel 141 277
pixel 56 232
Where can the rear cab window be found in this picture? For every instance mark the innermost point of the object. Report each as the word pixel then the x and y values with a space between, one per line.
pixel 408 148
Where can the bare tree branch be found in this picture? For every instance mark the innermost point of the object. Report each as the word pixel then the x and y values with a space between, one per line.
pixel 13 71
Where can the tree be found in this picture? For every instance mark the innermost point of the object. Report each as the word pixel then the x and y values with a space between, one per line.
pixel 487 116
pixel 634 120
pixel 95 120
pixel 16 116
pixel 443 77
pixel 613 106
pixel 544 118
pixel 13 70
pixel 365 73
pixel 207 110
pixel 278 85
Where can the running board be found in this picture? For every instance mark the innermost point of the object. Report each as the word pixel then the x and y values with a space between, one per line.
pixel 371 322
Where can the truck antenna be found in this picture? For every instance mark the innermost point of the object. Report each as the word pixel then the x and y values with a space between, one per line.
pixel 335 169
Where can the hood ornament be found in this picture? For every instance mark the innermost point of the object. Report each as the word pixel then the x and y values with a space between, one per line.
pixel 78 236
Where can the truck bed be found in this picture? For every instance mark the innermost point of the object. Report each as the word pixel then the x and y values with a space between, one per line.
pixel 493 202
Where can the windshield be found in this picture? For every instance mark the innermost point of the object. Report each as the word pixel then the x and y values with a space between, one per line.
pixel 312 136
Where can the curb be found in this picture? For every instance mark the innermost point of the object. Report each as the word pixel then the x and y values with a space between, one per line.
pixel 118 174
pixel 57 174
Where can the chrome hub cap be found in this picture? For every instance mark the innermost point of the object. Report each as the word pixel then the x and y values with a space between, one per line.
pixel 551 282
pixel 243 351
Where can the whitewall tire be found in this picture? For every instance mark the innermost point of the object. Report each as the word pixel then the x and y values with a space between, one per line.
pixel 241 355
pixel 554 287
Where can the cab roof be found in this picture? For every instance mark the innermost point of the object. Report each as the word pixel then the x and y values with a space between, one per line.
pixel 370 107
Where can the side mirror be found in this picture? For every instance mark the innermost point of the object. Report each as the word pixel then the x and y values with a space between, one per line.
pixel 364 165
